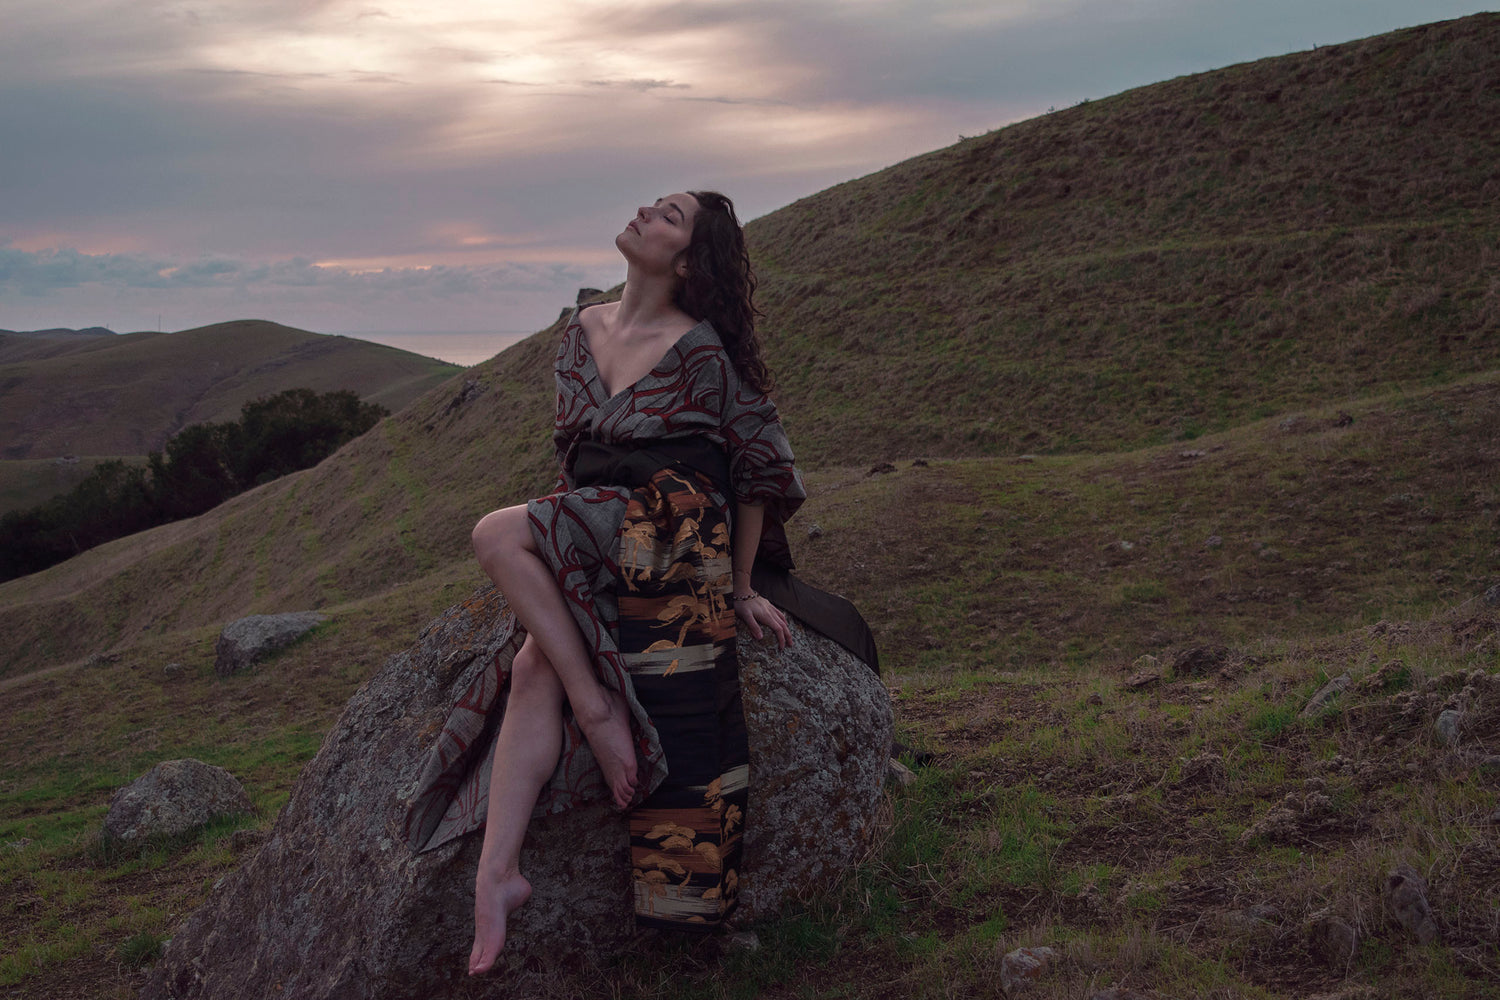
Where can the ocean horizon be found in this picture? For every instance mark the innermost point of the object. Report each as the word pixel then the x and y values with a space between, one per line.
pixel 459 347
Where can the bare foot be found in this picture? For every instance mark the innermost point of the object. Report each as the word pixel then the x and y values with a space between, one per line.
pixel 494 901
pixel 608 733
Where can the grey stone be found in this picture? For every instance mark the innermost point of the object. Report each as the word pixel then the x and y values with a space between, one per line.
pixel 243 643
pixel 1332 939
pixel 1406 901
pixel 174 797
pixel 1199 661
pixel 747 941
pixel 900 775
pixel 1447 724
pixel 1325 695
pixel 1492 596
pixel 1489 764
pixel 1020 969
pixel 334 904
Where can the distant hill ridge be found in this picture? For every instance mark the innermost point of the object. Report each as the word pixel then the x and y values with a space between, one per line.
pixel 94 393
pixel 1177 259
pixel 61 331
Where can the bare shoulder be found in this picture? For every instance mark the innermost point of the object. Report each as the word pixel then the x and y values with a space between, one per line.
pixel 595 316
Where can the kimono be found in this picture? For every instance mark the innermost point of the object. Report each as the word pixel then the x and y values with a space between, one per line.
pixel 645 570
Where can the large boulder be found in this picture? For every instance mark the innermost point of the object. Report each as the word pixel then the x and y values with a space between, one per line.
pixel 334 905
pixel 245 642
pixel 174 797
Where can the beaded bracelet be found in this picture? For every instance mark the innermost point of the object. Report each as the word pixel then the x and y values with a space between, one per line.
pixel 748 597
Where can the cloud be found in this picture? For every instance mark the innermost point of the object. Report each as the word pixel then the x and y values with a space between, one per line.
pixel 193 140
pixel 39 273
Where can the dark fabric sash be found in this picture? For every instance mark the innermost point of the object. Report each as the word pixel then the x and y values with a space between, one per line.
pixel 596 464
pixel 633 465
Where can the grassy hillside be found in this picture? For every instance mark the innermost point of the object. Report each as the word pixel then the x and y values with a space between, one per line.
pixel 125 395
pixel 1202 374
pixel 1175 259
pixel 36 344
pixel 1177 286
pixel 1070 802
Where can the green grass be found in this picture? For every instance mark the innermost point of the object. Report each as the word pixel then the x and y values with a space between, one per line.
pixel 1242 322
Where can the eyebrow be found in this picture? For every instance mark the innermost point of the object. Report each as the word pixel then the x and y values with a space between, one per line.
pixel 672 204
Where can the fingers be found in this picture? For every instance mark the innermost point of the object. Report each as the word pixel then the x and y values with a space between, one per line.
pixel 758 612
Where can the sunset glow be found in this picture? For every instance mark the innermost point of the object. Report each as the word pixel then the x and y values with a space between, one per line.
pixel 446 162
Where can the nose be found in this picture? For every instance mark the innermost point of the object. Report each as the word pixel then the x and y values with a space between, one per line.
pixel 644 212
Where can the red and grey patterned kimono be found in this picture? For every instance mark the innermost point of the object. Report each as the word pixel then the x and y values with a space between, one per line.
pixel 645 570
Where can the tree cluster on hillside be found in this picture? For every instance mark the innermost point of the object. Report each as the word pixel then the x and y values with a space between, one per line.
pixel 203 465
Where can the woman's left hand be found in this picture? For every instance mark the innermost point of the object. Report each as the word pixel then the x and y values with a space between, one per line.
pixel 758 614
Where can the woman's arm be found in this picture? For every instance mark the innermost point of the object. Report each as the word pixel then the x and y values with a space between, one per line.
pixel 755 610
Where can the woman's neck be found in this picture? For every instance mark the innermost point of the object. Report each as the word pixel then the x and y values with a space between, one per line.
pixel 647 301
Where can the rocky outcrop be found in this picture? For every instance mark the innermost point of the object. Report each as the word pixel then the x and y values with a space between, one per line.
pixel 245 642
pixel 174 797
pixel 334 905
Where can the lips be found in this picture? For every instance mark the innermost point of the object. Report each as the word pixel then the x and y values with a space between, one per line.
pixel 632 227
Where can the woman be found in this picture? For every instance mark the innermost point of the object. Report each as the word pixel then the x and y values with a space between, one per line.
pixel 671 453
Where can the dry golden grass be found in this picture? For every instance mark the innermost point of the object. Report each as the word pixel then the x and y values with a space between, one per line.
pixel 1244 321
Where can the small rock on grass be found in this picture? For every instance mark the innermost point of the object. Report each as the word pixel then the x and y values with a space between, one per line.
pixel 1199 661
pixel 900 775
pixel 742 941
pixel 1325 695
pixel 173 797
pixel 247 641
pixel 1021 968
pixel 1447 725
pixel 1332 938
pixel 1406 899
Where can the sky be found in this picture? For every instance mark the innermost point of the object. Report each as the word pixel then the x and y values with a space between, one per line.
pixel 464 165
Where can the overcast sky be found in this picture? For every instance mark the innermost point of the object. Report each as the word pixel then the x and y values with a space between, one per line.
pixel 361 165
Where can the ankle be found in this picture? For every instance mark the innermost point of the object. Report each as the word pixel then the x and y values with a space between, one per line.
pixel 492 874
pixel 595 711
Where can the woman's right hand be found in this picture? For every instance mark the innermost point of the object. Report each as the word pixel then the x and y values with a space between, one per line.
pixel 759 614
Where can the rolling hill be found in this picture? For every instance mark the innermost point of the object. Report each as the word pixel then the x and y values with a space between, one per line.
pixel 125 395
pixel 1177 259
pixel 1202 372
pixel 91 395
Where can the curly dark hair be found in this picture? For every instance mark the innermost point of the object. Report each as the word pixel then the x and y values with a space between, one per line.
pixel 720 285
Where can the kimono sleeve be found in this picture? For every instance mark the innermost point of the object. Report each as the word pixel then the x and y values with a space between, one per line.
pixel 761 470
pixel 563 442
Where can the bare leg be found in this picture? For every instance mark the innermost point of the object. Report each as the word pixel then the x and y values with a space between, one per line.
pixel 508 554
pixel 526 752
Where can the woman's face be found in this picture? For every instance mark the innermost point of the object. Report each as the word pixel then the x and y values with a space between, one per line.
pixel 658 234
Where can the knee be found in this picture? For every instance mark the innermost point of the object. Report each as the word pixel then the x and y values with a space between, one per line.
pixel 484 532
pixel 499 528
